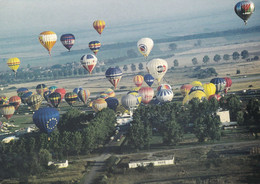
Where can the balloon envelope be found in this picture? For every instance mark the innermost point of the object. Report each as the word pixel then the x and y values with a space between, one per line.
pixel 196 83
pixel 67 40
pixel 99 104
pixel 185 89
pixel 15 101
pixel 130 101
pixel 21 91
pixel 147 94
pixel 244 9
pixel 83 95
pixel 138 80
pixel 48 40
pixel 55 99
pixel 88 62
pixel 164 95
pixel 157 68
pixel 41 88
pixel 46 119
pixel 13 64
pixel 62 92
pixel 99 25
pixel 145 45
pixel 34 101
pixel 112 103
pixel 220 84
pixel 71 98
pixel 209 89
pixel 94 46
pixel 114 75
pixel 7 111
pixel 149 79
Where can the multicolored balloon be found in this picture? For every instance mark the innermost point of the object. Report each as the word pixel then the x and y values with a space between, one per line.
pixel 110 92
pixel 13 64
pixel 48 40
pixel 46 95
pixel 138 80
pixel 53 88
pixel 164 95
pixel 164 86
pixel 147 94
pixel 41 88
pixel 7 111
pixel 46 119
pixel 149 79
pixel 34 101
pixel 25 97
pixel 220 84
pixel 99 25
pixel 15 101
pixel 157 68
pixel 99 104
pixel 84 95
pixel 114 75
pixel 89 62
pixel 67 40
pixel 21 91
pixel 55 99
pixel 145 45
pixel 185 89
pixel 71 98
pixel 94 46
pixel 244 9
pixel 196 88
pixel 137 95
pixel 4 100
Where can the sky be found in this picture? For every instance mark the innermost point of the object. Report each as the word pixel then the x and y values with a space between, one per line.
pixel 34 16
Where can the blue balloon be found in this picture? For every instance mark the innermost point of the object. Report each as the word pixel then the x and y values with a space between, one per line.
pixel 220 84
pixel 77 90
pixel 112 103
pixel 114 75
pixel 22 90
pixel 148 78
pixel 67 40
pixel 46 119
pixel 25 96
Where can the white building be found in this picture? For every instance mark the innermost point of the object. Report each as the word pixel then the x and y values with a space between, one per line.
pixel 224 116
pixel 9 139
pixel 124 119
pixel 154 161
pixel 59 164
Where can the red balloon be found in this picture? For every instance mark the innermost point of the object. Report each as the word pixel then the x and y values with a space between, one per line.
pixel 62 92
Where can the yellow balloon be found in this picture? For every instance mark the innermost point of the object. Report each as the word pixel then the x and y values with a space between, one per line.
pixel 99 25
pixel 13 64
pixel 48 39
pixel 198 94
pixel 210 89
pixel 196 83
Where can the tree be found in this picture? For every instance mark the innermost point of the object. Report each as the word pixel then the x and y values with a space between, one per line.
pixel 125 68
pixel 256 58
pixel 217 58
pixel 194 61
pixel 133 67
pixel 173 46
pixel 205 59
pixel 238 72
pixel 175 63
pixel 226 57
pixel 235 55
pixel 44 157
pixel 140 66
pixel 244 54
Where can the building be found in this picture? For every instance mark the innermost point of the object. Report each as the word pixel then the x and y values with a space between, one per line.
pixel 59 164
pixel 9 139
pixel 224 116
pixel 155 161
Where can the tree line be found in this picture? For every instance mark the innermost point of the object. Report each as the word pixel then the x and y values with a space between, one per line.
pixel 78 133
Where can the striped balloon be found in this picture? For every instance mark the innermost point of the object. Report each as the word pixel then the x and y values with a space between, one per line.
pixel 7 111
pixel 164 95
pixel 99 25
pixel 67 40
pixel 99 104
pixel 35 101
pixel 55 99
pixel 83 95
pixel 13 64
pixel 94 46
pixel 138 80
pixel 147 94
pixel 71 98
pixel 15 101
pixel 41 88
pixel 89 62
pixel 114 75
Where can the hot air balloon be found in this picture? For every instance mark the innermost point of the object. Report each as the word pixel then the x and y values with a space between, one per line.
pixel 145 45
pixel 112 103
pixel 83 95
pixel 13 64
pixel 148 78
pixel 157 68
pixel 103 95
pixel 209 89
pixel 136 89
pixel 198 94
pixel 185 89
pixel 25 96
pixel 62 92
pixel 46 119
pixel 138 80
pixel 110 92
pixel 89 62
pixel 53 88
pixel 41 88
pixel 244 9
pixel 137 95
pixel 196 88
pixel 164 86
pixel 15 101
pixel 21 91
pixel 34 102
pixel 48 39
pixel 147 94
pixel 164 95
pixel 55 99
pixel 228 84
pixel 99 104
pixel 220 84
pixel 46 95
pixel 99 25
pixel 3 100
pixel 130 101
pixel 94 46
pixel 71 98
pixel 7 111
pixel 76 90
pixel 185 99
pixel 67 40
pixel 196 83
pixel 114 75
pixel 216 96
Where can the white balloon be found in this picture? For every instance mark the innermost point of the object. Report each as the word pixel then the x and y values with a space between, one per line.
pixel 157 68
pixel 164 95
pixel 145 45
